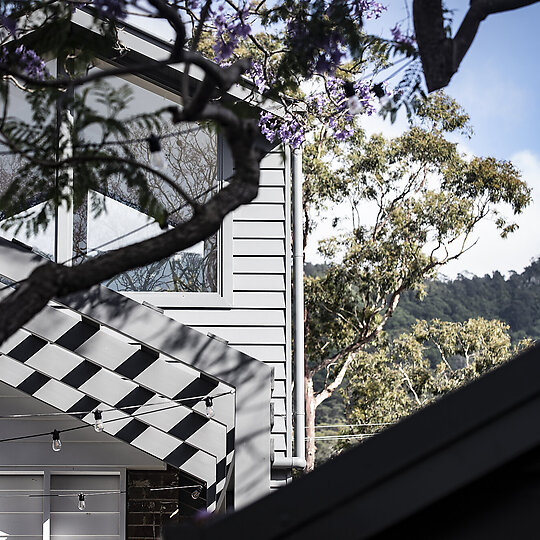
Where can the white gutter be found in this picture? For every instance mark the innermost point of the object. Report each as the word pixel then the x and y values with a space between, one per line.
pixel 299 459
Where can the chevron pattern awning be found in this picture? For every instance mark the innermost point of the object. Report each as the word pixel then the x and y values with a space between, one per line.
pixel 151 400
pixel 101 350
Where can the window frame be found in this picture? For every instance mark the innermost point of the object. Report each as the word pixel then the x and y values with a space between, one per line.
pixel 220 298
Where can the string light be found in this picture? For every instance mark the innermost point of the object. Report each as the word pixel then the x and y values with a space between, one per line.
pixel 196 493
pixel 210 412
pixel 56 442
pixel 82 502
pixel 384 98
pixel 354 104
pixel 98 417
pixel 157 159
pixel 112 409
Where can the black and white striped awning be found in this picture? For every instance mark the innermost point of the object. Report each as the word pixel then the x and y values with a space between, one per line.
pixel 74 357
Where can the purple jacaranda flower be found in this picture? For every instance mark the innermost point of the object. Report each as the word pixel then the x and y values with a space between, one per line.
pixel 399 37
pixel 9 23
pixel 24 60
pixel 257 75
pixel 230 28
pixel 287 129
pixel 113 9
pixel 369 9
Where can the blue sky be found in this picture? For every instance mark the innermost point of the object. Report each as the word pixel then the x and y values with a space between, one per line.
pixel 498 84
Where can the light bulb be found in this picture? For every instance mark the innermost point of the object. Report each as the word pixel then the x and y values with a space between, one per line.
pixel 157 159
pixel 196 493
pixel 56 442
pixel 378 90
pixel 385 101
pixel 82 503
pixel 210 412
pixel 98 426
pixel 353 103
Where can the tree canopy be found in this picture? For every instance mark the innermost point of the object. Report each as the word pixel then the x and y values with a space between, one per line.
pixel 395 377
pixel 415 200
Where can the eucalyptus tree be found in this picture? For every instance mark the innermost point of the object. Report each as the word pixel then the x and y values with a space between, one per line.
pixel 397 377
pixel 415 202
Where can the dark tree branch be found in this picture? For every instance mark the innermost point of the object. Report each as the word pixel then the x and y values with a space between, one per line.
pixel 441 56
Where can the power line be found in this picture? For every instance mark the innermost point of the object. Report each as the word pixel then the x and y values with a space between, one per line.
pixel 116 143
pixel 324 426
pixel 112 409
pixel 340 437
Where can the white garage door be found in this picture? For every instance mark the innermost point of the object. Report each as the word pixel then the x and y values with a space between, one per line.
pixel 21 516
pixel 101 518
pixel 30 509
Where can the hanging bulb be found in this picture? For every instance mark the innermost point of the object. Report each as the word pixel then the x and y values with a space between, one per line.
pixel 196 493
pixel 354 104
pixel 384 98
pixel 82 503
pixel 56 442
pixel 98 426
pixel 157 159
pixel 210 412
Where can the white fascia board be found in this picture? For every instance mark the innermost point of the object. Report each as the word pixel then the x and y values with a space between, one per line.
pixel 151 48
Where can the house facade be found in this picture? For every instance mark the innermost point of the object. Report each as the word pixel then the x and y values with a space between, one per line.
pixel 188 361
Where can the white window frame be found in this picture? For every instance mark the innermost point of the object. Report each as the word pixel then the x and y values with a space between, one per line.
pixel 223 297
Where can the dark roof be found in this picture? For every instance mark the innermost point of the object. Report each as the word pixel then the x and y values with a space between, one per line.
pixel 428 456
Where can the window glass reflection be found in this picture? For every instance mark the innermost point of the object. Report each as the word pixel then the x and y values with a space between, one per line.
pixel 191 160
pixel 18 219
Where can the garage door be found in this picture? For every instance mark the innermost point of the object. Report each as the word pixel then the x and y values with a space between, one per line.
pixel 21 516
pixel 30 509
pixel 100 520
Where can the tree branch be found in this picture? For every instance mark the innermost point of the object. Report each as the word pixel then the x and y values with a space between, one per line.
pixel 53 280
pixel 441 55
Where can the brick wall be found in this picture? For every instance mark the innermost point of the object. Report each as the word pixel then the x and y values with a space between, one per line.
pixel 147 510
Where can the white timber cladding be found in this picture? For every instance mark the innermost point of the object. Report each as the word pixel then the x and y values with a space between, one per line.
pixel 257 322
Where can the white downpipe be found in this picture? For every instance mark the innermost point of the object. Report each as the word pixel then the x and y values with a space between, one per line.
pixel 298 460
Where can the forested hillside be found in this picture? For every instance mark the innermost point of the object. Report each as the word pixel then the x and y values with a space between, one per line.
pixel 515 300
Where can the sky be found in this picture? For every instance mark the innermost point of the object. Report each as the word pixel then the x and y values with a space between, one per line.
pixel 498 84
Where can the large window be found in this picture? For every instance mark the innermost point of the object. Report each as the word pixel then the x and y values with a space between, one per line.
pixel 18 221
pixel 191 159
pixel 111 215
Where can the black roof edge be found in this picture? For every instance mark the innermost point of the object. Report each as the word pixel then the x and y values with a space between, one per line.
pixel 479 407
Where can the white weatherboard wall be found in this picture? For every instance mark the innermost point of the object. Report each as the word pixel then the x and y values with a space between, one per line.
pixel 258 320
